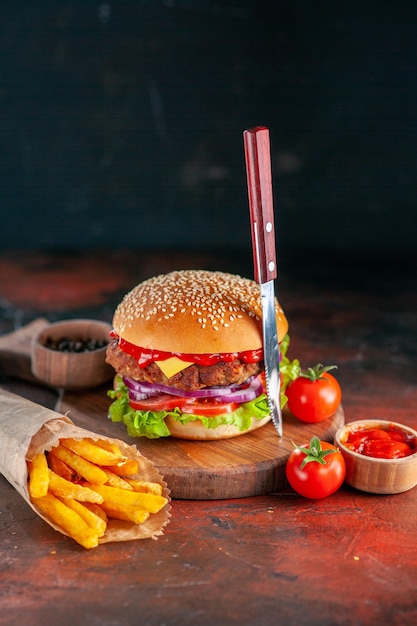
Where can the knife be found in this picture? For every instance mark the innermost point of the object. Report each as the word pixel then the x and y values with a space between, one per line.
pixel 259 178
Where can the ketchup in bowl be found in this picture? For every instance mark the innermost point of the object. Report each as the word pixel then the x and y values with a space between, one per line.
pixel 381 443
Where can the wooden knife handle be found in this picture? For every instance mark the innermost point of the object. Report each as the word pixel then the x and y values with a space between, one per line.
pixel 261 206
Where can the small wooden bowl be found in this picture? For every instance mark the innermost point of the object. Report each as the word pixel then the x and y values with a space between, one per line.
pixel 71 370
pixel 375 475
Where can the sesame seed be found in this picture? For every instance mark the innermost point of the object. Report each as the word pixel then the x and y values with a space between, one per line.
pixel 210 297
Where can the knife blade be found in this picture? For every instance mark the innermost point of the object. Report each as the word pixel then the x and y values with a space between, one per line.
pixel 259 179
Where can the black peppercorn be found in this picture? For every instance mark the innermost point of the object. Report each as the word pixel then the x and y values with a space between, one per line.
pixel 66 344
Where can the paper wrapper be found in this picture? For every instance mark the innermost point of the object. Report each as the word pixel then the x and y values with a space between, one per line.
pixel 27 428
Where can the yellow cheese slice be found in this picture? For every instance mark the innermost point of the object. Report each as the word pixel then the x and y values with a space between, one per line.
pixel 172 366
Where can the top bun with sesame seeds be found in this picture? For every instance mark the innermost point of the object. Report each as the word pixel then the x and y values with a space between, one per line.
pixel 187 347
pixel 195 311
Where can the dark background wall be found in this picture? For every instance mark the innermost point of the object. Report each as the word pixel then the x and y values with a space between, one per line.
pixel 121 122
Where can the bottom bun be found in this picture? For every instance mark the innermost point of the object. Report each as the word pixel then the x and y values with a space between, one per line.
pixel 196 431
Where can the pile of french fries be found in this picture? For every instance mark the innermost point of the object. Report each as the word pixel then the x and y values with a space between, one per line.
pixel 80 484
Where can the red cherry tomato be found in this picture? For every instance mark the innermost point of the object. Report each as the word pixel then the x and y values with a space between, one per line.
pixel 315 470
pixel 315 395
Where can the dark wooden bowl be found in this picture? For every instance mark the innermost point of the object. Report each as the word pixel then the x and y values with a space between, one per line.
pixel 71 370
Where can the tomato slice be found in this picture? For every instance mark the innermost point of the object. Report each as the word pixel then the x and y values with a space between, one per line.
pixel 165 402
pixel 162 402
pixel 209 407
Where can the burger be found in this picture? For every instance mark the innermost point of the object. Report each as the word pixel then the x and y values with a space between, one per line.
pixel 187 351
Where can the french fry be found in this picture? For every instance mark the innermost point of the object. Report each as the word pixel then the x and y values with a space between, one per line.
pixel 110 446
pixel 97 510
pixel 126 513
pixel 97 522
pixel 113 480
pixel 61 468
pixel 85 468
pixel 128 467
pixel 80 485
pixel 63 488
pixel 145 486
pixel 67 519
pixel 125 498
pixel 92 452
pixel 38 476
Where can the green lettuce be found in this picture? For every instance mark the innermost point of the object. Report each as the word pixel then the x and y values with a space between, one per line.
pixel 289 370
pixel 151 424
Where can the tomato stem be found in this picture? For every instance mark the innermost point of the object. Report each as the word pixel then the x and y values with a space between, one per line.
pixel 314 452
pixel 316 372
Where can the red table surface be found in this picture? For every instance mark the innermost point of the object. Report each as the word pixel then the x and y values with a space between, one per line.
pixel 277 559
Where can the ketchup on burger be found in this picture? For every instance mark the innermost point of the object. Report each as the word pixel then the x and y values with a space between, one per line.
pixel 187 350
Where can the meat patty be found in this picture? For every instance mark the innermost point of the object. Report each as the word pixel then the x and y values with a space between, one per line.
pixel 190 379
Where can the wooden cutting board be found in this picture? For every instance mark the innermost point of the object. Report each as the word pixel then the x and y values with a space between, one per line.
pixel 248 465
pixel 243 466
